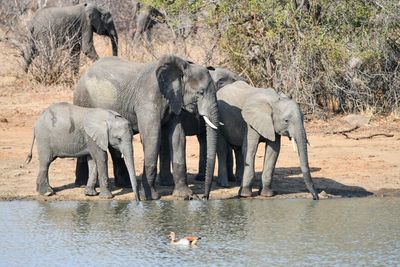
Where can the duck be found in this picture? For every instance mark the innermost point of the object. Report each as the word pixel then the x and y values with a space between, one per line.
pixel 187 240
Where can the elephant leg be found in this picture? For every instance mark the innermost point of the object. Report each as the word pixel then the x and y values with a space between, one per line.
pixel 249 150
pixel 272 150
pixel 202 138
pixel 165 161
pixel 81 171
pixel 239 164
pixel 150 135
pixel 100 158
pixel 177 141
pixel 222 148
pixel 121 174
pixel 91 184
pixel 42 183
pixel 229 164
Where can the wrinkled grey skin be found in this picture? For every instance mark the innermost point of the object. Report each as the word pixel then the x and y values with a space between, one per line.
pixel 253 115
pixel 151 96
pixel 195 125
pixel 72 28
pixel 65 130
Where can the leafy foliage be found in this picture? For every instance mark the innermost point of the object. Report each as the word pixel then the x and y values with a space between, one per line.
pixel 339 56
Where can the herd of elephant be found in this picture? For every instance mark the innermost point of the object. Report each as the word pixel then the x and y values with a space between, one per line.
pixel 163 101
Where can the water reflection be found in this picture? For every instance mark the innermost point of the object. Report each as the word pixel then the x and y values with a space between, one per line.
pixel 234 232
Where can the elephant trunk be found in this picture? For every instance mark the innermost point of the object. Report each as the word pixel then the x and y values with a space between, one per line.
pixel 128 158
pixel 114 42
pixel 301 140
pixel 212 138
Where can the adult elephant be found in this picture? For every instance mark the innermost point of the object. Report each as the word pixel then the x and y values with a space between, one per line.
pixel 195 125
pixel 252 115
pixel 151 96
pixel 69 27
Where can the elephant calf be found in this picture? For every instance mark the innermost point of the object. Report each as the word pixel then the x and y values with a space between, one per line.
pixel 65 130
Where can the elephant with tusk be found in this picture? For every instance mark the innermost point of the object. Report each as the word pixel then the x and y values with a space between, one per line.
pixel 154 96
pixel 196 125
pixel 252 115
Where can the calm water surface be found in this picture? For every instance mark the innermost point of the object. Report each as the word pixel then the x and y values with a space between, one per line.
pixel 343 232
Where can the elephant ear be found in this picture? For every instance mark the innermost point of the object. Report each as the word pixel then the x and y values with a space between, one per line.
pixel 257 112
pixel 97 129
pixel 94 17
pixel 169 73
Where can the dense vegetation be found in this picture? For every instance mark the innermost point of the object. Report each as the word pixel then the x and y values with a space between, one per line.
pixel 331 56
pixel 340 56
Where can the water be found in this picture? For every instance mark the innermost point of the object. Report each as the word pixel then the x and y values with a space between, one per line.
pixel 343 232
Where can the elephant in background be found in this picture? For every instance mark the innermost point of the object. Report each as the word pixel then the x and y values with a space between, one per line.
pixel 69 27
pixel 153 96
pixel 146 17
pixel 252 115
pixel 64 130
pixel 195 125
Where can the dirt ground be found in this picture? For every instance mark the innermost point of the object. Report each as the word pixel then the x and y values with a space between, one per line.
pixel 341 167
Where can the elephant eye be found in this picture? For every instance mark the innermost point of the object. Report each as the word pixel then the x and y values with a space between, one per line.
pixel 201 92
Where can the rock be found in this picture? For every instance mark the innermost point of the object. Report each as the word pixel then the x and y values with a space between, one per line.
pixel 357 120
pixel 354 63
pixel 323 195
pixel 4 120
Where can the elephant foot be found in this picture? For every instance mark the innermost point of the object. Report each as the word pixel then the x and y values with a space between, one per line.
pixel 166 179
pixel 266 192
pixel 105 194
pixel 222 182
pixel 200 177
pixel 45 190
pixel 80 182
pixel 90 191
pixel 245 191
pixel 152 195
pixel 182 191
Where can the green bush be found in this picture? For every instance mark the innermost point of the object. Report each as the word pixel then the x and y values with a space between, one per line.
pixel 331 56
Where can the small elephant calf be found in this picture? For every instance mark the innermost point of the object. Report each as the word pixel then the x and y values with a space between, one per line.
pixel 65 130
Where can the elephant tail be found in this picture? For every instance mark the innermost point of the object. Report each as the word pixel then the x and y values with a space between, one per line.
pixel 29 157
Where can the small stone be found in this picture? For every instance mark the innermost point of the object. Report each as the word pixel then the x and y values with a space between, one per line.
pixel 4 120
pixel 323 194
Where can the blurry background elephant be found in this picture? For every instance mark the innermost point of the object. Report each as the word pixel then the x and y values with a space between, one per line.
pixel 195 125
pixel 153 95
pixel 70 28
pixel 65 130
pixel 252 115
pixel 146 17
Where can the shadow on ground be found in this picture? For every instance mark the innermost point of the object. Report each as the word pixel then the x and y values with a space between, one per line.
pixel 286 181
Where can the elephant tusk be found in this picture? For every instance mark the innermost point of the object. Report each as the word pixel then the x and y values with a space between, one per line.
pixel 294 145
pixel 122 156
pixel 220 123
pixel 309 143
pixel 207 120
